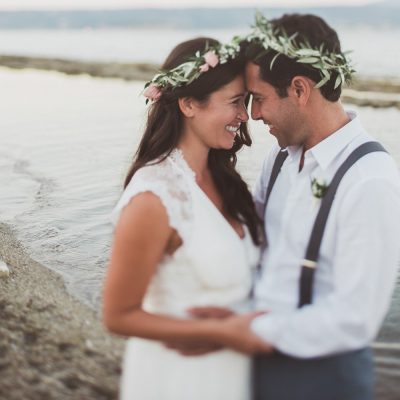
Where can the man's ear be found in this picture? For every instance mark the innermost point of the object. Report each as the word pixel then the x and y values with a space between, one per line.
pixel 187 106
pixel 301 88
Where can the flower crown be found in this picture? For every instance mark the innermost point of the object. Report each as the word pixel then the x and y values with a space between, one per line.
pixel 320 59
pixel 186 73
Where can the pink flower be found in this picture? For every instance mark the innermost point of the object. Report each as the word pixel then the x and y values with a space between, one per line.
pixel 152 92
pixel 211 59
pixel 204 68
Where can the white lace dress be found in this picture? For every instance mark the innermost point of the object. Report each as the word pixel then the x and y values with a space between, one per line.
pixel 213 266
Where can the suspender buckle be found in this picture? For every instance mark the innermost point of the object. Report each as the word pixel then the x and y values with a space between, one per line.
pixel 309 263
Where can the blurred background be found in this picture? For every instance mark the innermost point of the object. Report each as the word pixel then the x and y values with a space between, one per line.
pixel 71 74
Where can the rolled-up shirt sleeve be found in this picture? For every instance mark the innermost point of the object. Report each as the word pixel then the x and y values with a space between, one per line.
pixel 364 268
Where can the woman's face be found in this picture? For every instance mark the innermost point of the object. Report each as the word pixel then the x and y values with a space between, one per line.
pixel 217 121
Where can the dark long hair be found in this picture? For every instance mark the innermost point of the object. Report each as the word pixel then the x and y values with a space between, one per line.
pixel 309 28
pixel 164 129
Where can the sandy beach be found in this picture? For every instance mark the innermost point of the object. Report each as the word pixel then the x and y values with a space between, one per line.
pixel 51 345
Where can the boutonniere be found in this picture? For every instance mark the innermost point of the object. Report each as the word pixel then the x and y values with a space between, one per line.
pixel 318 189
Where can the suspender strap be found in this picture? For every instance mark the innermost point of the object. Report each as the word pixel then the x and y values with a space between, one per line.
pixel 276 168
pixel 310 262
pixel 279 160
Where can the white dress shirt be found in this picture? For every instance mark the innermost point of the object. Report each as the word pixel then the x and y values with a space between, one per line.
pixel 359 254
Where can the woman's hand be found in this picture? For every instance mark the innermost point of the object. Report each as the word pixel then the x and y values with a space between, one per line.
pixel 210 312
pixel 196 348
pixel 235 332
pixel 199 348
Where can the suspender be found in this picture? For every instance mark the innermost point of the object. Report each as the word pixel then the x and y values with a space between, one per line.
pixel 310 262
pixel 279 160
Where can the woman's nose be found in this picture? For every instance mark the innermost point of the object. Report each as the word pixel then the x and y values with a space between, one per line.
pixel 243 114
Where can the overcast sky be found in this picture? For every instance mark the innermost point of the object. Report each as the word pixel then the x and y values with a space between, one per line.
pixel 93 4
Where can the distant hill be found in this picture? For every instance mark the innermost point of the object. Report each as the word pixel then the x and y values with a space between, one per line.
pixel 391 3
pixel 386 13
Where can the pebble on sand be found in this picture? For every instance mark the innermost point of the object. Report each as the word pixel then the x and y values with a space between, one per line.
pixel 4 271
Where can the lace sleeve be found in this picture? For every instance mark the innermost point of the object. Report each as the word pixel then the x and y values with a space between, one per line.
pixel 170 186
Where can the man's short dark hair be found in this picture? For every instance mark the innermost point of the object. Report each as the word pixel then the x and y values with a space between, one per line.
pixel 310 29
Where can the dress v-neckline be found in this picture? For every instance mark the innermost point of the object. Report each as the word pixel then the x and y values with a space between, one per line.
pixel 179 160
pixel 217 211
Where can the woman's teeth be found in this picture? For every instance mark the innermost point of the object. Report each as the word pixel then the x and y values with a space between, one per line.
pixel 232 128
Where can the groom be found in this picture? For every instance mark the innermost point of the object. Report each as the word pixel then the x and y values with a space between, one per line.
pixel 324 307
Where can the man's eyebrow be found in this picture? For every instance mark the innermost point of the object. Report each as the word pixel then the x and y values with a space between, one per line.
pixel 255 93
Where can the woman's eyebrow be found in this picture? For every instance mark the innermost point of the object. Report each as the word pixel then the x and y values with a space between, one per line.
pixel 238 95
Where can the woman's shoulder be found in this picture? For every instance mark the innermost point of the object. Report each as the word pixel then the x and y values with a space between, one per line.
pixel 164 179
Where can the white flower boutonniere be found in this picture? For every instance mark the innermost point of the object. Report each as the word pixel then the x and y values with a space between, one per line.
pixel 318 189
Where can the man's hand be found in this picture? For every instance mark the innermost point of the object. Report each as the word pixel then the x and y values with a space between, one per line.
pixel 225 329
pixel 234 332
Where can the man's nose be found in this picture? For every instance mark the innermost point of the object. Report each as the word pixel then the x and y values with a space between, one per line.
pixel 255 110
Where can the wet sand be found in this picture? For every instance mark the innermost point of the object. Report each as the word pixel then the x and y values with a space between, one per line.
pixel 51 345
pixel 365 91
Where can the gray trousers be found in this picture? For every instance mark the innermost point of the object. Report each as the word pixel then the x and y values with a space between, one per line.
pixel 347 376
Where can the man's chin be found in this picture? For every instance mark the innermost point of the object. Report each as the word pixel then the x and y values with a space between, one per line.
pixel 282 143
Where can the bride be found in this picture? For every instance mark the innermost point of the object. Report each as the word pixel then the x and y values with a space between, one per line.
pixel 187 233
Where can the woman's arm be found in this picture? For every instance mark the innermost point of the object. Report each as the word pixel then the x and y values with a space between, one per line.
pixel 141 238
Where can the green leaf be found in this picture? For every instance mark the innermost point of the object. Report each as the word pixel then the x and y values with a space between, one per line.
pixel 308 60
pixel 325 73
pixel 273 60
pixel 308 52
pixel 322 82
pixel 342 76
pixel 338 82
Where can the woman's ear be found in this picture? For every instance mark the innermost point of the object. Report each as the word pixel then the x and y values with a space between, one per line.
pixel 301 88
pixel 187 106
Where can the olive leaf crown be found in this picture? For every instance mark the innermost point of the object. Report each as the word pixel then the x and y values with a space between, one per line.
pixel 185 73
pixel 270 39
pixel 273 39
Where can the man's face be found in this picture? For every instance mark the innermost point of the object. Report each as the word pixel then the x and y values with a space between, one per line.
pixel 280 114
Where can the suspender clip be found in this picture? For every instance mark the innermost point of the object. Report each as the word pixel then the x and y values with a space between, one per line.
pixel 309 263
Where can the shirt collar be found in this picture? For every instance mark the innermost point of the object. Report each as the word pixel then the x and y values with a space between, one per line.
pixel 294 151
pixel 325 151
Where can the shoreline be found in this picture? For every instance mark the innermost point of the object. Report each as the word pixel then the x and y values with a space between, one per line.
pixel 377 92
pixel 52 346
